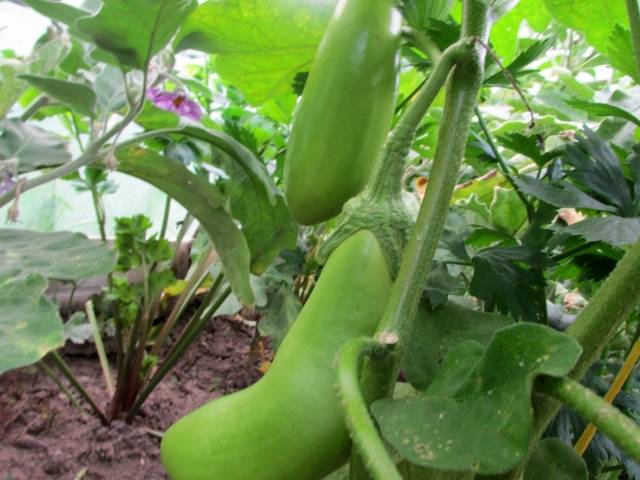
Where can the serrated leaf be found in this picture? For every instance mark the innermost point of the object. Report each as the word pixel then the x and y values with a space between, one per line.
pixel 254 52
pixel 60 255
pixel 618 231
pixel 553 459
pixel 30 326
pixel 436 333
pixel 204 201
pixel 135 30
pixel 518 66
pixel 621 54
pixel 560 194
pixel 485 427
pixel 30 147
pixel 503 283
pixel 77 96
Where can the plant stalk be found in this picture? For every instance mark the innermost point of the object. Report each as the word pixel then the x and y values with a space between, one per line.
pixel 623 431
pixel 102 355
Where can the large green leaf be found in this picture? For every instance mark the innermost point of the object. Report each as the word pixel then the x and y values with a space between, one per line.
pixel 561 194
pixel 61 255
pixel 604 110
pixel 596 20
pixel 30 147
pixel 508 213
pixel 436 333
pixel 79 97
pixel 485 426
pixel 30 326
pixel 612 229
pixel 204 201
pixel 255 52
pixel 553 459
pixel 135 30
pixel 58 11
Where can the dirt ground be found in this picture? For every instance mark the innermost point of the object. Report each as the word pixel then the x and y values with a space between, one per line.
pixel 42 436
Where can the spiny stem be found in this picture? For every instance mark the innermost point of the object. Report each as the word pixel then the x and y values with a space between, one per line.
pixel 363 431
pixel 621 378
pixel 64 369
pixel 387 177
pixel 623 431
pixel 503 164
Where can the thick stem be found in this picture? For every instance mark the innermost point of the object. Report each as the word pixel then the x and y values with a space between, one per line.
pixel 37 104
pixel 387 178
pixel 174 357
pixel 623 431
pixel 363 430
pixel 633 11
pixel 64 369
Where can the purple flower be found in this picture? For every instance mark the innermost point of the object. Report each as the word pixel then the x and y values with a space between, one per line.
pixel 175 102
pixel 7 182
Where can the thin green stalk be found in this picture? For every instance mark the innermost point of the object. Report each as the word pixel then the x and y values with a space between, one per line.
pixel 169 362
pixel 387 177
pixel 37 104
pixel 52 375
pixel 503 164
pixel 424 43
pixel 64 369
pixel 619 428
pixel 100 214
pixel 165 217
pixel 364 432
pixel 102 355
pixel 633 11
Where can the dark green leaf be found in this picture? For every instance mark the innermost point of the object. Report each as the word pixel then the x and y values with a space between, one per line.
pixel 517 68
pixel 30 147
pixel 436 333
pixel 613 230
pixel 560 194
pixel 135 30
pixel 528 146
pixel 61 255
pixel 440 284
pixel 204 201
pixel 30 326
pixel 503 283
pixel 485 427
pixel 77 96
pixel 254 52
pixel 553 459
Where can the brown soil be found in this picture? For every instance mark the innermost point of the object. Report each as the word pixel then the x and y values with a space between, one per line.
pixel 42 436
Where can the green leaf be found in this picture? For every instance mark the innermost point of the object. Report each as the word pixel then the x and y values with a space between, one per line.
pixel 618 231
pixel 10 85
pixel 109 88
pixel 61 255
pixel 135 30
pixel 254 52
pixel 30 326
pixel 279 314
pixel 58 11
pixel 74 60
pixel 560 194
pixel 154 118
pixel 204 201
pixel 503 283
pixel 527 146
pixel 553 459
pixel 507 211
pixel 30 147
pixel 517 66
pixel 603 110
pixel 621 54
pixel 485 426
pixel 77 96
pixel 436 333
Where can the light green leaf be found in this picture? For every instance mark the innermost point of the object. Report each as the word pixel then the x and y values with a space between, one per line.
pixel 621 52
pixel 30 147
pixel 612 229
pixel 604 110
pixel 10 85
pixel 279 314
pixel 204 201
pixel 58 11
pixel 154 118
pixel 61 255
pixel 507 211
pixel 436 333
pixel 30 326
pixel 77 96
pixel 135 30
pixel 109 88
pixel 485 427
pixel 553 459
pixel 254 51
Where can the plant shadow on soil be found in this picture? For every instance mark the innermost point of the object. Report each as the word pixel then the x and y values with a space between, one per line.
pixel 42 436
